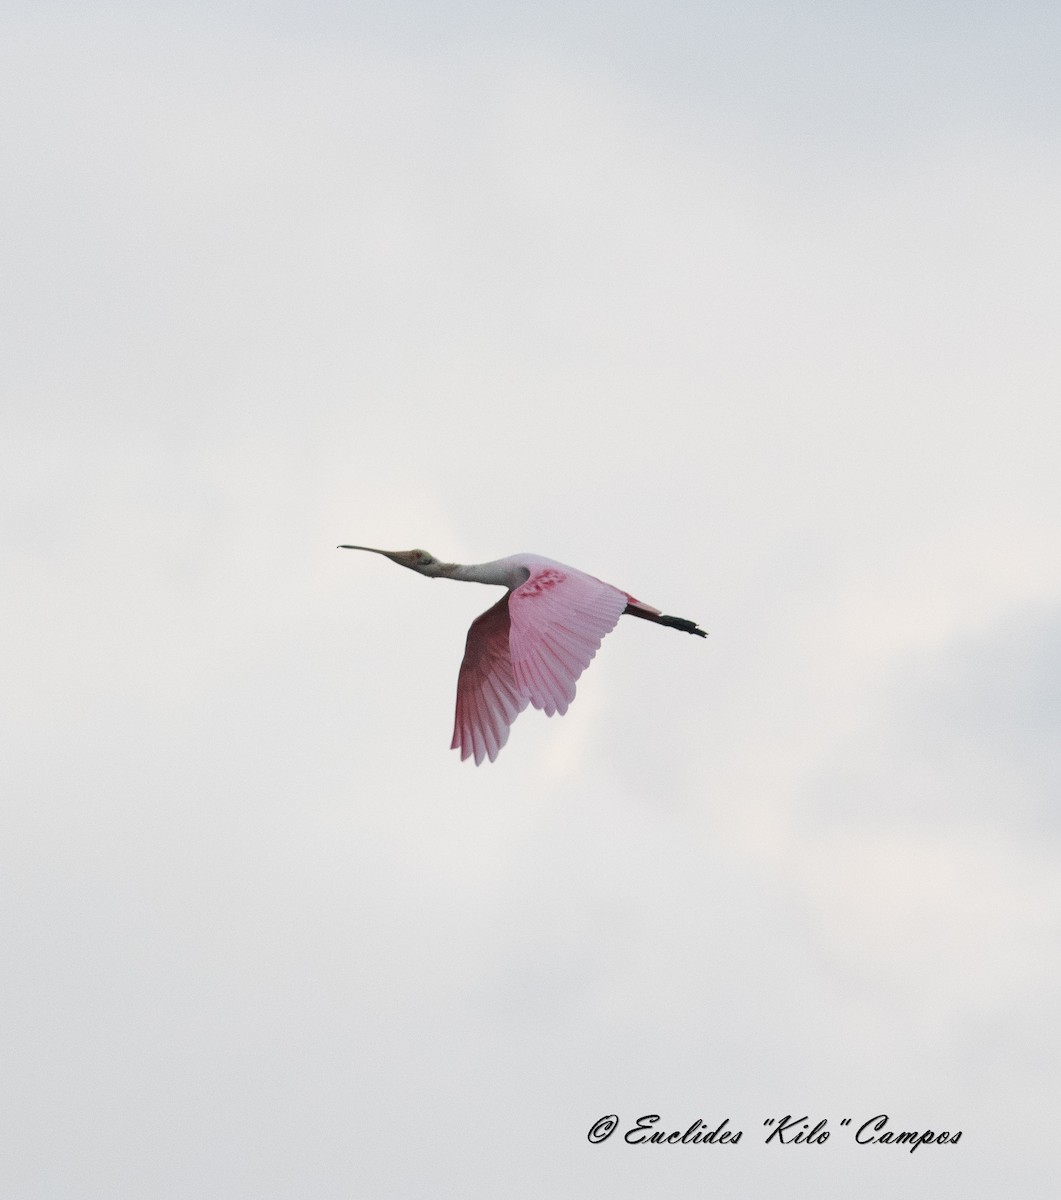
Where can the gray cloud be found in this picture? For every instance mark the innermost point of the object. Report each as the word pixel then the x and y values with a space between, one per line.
pixel 751 313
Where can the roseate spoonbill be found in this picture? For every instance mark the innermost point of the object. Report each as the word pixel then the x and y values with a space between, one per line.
pixel 532 645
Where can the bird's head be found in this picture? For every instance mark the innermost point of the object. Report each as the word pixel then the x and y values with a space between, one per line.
pixel 415 560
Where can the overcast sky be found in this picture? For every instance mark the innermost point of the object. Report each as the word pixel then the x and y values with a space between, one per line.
pixel 749 309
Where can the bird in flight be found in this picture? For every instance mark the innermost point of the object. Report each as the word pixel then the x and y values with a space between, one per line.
pixel 532 645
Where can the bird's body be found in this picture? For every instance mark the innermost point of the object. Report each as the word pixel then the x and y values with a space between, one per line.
pixel 532 645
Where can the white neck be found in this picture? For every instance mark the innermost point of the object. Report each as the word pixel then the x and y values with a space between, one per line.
pixel 499 573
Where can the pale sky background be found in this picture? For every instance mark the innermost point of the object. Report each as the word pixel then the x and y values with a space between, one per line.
pixel 751 309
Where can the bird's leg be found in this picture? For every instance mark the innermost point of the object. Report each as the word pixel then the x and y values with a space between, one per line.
pixel 632 610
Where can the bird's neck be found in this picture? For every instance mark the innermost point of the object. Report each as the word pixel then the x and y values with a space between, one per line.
pixel 499 573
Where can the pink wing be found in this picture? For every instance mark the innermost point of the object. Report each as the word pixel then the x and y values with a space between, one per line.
pixel 530 647
pixel 558 618
pixel 488 699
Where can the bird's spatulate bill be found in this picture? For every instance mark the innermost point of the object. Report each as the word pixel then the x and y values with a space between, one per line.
pixel 394 555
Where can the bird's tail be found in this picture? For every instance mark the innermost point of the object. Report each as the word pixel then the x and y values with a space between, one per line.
pixel 636 609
